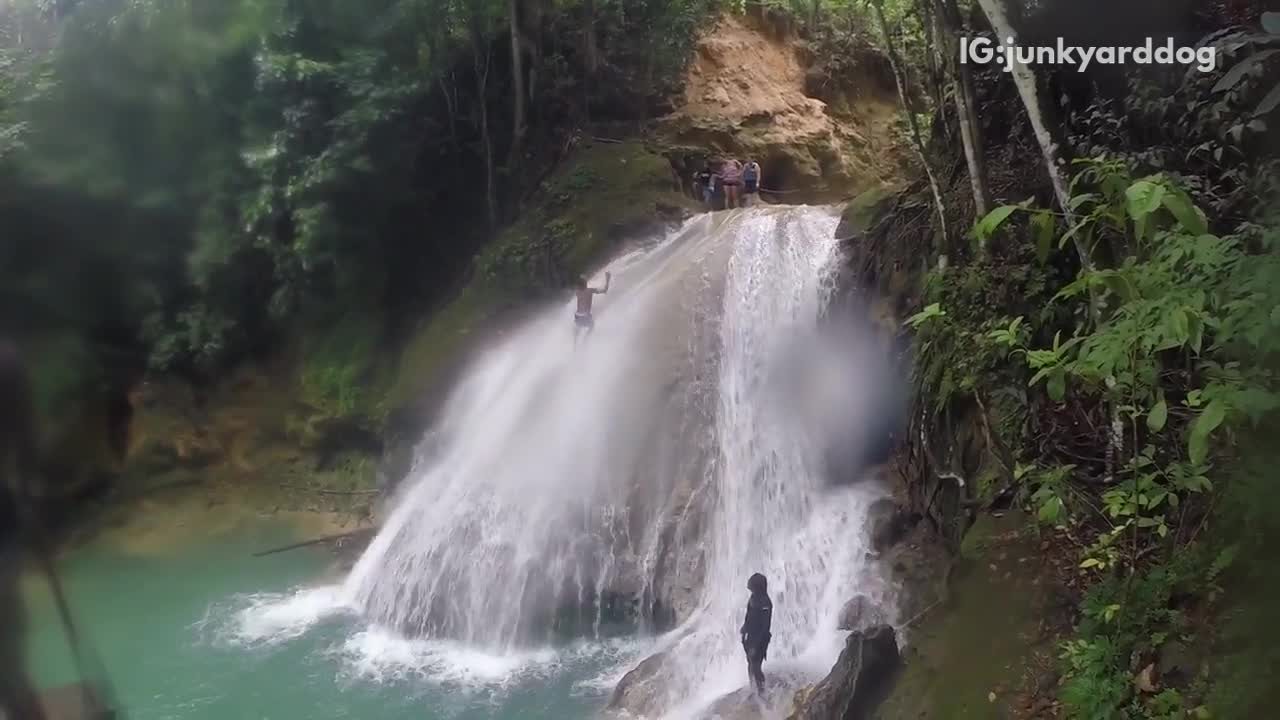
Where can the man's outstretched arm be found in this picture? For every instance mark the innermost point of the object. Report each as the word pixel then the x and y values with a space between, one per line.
pixel 605 289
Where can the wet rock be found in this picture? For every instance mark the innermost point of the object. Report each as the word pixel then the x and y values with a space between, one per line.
pixel 746 704
pixel 640 691
pixel 859 682
pixel 919 563
pixel 889 523
pixel 861 613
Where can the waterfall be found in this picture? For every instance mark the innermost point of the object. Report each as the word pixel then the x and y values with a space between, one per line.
pixel 647 472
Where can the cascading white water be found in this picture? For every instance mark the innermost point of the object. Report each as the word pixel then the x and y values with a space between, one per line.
pixel 665 459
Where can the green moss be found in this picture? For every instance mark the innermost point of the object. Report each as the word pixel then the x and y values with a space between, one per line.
pixel 981 641
pixel 435 343
pixel 604 192
pixel 340 375
pixel 862 212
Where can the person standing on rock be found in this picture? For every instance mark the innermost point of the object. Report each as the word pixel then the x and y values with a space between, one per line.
pixel 751 183
pixel 731 178
pixel 704 180
pixel 755 629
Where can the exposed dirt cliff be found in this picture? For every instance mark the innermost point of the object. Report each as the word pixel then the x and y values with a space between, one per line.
pixel 747 93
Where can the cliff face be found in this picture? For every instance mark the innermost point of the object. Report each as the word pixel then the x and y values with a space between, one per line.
pixel 746 94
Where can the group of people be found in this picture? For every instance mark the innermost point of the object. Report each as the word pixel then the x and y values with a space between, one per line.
pixel 737 182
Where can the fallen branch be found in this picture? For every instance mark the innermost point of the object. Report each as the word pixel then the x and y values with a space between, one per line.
pixel 314 541
pixel 920 615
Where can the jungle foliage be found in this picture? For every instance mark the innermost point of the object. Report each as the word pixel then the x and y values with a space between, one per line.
pixel 1122 353
pixel 187 184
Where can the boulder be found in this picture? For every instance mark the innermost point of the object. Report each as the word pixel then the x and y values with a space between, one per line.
pixel 919 564
pixel 859 682
pixel 745 704
pixel 640 691
pixel 861 613
pixel 889 523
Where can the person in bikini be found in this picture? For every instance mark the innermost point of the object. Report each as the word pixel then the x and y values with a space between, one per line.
pixel 582 320
pixel 731 177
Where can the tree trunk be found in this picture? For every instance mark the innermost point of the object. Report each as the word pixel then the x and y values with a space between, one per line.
pixel 451 109
pixel 480 52
pixel 933 52
pixel 589 50
pixel 1048 135
pixel 947 14
pixel 517 84
pixel 896 63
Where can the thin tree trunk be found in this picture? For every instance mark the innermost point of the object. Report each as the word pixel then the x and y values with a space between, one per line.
pixel 896 63
pixel 451 109
pixel 480 51
pixel 590 51
pixel 517 84
pixel 933 51
pixel 1046 131
pixel 1048 135
pixel 947 15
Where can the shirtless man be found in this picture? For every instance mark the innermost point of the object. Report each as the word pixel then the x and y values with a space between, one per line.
pixel 582 320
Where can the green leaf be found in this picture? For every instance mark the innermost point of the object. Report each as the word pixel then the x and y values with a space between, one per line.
pixel 1089 563
pixel 989 224
pixel 1057 385
pixel 1062 241
pixel 1158 416
pixel 1242 68
pixel 1197 332
pixel 1050 510
pixel 1188 215
pixel 1203 426
pixel 1269 103
pixel 1143 198
pixel 1042 222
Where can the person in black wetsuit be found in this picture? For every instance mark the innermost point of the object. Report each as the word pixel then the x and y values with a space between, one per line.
pixel 755 628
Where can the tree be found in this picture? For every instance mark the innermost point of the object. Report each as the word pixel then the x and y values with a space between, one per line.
pixel 517 82
pixel 895 62
pixel 947 14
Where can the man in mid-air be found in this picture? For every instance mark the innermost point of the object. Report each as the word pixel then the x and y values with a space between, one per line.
pixel 582 320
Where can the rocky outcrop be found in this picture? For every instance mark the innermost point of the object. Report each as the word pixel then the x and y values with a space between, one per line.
pixel 888 523
pixel 859 682
pixel 861 613
pixel 746 704
pixel 745 94
pixel 640 691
